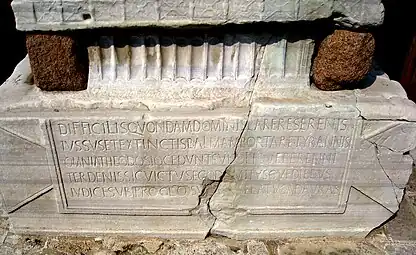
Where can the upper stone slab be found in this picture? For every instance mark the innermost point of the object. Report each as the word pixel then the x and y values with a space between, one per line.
pixel 84 14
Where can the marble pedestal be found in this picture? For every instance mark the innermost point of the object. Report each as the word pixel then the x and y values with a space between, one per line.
pixel 260 162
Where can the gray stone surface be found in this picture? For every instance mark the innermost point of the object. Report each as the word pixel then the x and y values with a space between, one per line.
pixel 74 14
pixel 198 68
pixel 285 162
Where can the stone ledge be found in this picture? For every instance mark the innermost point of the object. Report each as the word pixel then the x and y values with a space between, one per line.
pixel 51 15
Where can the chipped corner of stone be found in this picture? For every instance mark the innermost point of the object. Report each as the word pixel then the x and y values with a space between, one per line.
pixel 22 73
pixel 392 142
pixel 209 187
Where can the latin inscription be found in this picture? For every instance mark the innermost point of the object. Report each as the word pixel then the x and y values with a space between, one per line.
pixel 161 164
pixel 197 126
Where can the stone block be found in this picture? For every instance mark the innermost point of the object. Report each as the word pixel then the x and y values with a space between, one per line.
pixel 282 162
pixel 80 14
pixel 59 62
pixel 343 60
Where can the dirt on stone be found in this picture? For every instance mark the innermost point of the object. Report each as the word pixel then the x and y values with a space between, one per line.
pixel 53 245
pixel 376 243
pixel 344 58
pixel 72 245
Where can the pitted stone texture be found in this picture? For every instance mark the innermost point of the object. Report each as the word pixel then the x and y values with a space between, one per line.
pixel 328 247
pixel 257 248
pixel 402 227
pixel 206 247
pixel 343 60
pixel 58 62
pixel 72 14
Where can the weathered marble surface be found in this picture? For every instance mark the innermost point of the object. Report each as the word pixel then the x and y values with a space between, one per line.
pixel 207 63
pixel 281 162
pixel 81 14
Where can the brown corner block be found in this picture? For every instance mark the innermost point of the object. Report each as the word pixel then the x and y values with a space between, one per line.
pixel 344 58
pixel 58 62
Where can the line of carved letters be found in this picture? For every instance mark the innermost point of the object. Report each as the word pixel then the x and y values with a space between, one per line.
pixel 204 159
pixel 165 158
pixel 206 142
pixel 147 191
pixel 197 176
pixel 298 124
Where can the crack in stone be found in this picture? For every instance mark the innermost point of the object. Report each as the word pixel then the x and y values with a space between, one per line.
pixel 369 119
pixel 394 186
pixel 227 10
pixel 384 120
pixel 227 168
pixel 260 56
pixel 145 106
pixel 376 146
pixel 205 186
pixel 360 115
pixel 3 237
pixel 369 197
pixel 384 147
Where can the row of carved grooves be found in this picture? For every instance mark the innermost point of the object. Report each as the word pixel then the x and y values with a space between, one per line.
pixel 232 57
pixel 205 53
